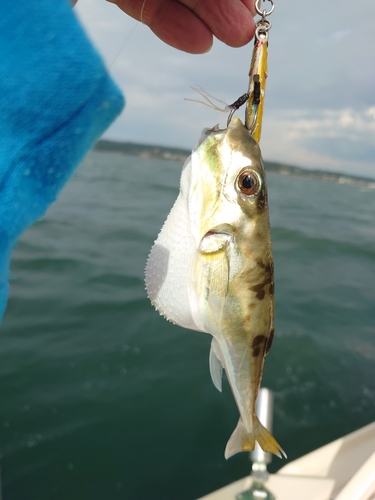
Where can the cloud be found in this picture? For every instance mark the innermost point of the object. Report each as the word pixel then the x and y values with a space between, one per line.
pixel 342 148
pixel 345 134
pixel 341 140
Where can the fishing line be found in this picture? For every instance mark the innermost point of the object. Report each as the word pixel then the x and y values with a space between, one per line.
pixel 123 44
pixel 143 6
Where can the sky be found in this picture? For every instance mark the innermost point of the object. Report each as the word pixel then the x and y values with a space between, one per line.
pixel 320 101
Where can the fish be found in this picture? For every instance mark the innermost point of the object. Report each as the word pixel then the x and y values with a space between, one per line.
pixel 211 268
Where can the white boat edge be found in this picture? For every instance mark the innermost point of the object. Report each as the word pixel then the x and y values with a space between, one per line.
pixel 342 470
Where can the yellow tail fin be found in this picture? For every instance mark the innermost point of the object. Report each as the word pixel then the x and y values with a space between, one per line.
pixel 241 440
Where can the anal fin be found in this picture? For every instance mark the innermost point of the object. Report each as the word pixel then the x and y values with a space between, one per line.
pixel 216 366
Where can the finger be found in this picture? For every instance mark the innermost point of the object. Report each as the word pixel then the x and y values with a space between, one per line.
pixel 230 21
pixel 172 22
pixel 250 5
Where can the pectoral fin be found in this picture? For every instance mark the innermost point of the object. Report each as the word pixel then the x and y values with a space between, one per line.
pixel 213 272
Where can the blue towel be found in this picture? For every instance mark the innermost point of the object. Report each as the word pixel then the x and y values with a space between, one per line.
pixel 56 99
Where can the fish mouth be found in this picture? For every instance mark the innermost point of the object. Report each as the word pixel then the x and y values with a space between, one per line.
pixel 215 240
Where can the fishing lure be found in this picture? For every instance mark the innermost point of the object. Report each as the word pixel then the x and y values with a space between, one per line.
pixel 258 74
pixel 254 97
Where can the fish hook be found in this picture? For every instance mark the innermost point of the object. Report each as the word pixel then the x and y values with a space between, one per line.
pixel 236 105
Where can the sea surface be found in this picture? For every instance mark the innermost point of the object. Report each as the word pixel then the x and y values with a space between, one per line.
pixel 101 398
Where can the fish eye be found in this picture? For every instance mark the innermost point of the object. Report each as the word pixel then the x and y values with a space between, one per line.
pixel 248 182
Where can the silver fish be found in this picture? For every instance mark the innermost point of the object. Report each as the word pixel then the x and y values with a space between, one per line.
pixel 211 268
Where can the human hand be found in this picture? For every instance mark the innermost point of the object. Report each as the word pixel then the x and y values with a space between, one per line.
pixel 189 25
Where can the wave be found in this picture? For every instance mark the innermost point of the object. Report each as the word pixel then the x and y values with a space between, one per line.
pixel 287 239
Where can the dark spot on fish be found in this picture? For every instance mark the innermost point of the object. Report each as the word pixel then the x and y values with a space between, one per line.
pixel 258 340
pixel 269 269
pixel 262 201
pixel 269 342
pixel 259 289
pixel 257 345
pixel 260 263
pixel 268 273
pixel 256 352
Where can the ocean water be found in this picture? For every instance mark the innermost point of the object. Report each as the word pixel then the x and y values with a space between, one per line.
pixel 103 399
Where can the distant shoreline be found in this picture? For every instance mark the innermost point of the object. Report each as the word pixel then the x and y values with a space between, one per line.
pixel 180 155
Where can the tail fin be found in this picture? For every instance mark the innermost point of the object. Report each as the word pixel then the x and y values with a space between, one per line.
pixel 241 440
